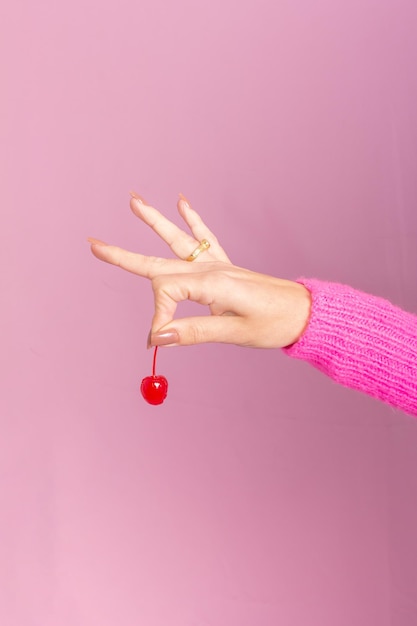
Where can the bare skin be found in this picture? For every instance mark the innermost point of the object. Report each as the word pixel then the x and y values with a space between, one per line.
pixel 246 308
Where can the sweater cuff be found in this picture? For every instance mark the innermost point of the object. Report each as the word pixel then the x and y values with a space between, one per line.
pixel 361 341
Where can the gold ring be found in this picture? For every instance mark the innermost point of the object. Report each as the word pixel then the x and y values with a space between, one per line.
pixel 204 245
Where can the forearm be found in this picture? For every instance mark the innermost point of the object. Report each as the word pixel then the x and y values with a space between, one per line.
pixel 361 341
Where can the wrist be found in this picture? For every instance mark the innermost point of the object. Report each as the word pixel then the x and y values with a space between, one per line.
pixel 302 304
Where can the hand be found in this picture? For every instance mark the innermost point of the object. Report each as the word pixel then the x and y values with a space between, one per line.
pixel 247 308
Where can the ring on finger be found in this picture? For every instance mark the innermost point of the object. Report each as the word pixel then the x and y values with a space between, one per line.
pixel 203 245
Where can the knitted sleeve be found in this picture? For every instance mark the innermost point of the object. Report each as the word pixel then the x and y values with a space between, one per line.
pixel 361 341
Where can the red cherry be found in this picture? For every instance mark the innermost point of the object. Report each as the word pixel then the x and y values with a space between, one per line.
pixel 154 388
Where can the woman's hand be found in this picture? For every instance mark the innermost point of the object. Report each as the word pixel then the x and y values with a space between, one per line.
pixel 247 308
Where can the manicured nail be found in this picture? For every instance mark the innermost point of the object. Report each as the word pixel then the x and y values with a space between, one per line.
pixel 96 242
pixel 166 338
pixel 137 197
pixel 148 341
pixel 184 201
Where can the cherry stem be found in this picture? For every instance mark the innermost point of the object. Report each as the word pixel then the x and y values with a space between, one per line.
pixel 154 360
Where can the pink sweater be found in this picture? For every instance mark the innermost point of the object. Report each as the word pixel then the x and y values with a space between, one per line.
pixel 361 341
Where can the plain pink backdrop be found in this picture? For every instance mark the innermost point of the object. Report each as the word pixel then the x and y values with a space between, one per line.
pixel 260 493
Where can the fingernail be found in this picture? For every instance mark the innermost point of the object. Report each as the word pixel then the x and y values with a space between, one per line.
pixel 148 341
pixel 166 338
pixel 96 242
pixel 184 200
pixel 137 197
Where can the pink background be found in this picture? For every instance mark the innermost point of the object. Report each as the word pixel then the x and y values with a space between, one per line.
pixel 261 493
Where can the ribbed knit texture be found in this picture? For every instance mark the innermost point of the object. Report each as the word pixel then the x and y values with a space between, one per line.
pixel 361 341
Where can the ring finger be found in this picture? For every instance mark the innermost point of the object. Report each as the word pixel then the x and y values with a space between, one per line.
pixel 181 243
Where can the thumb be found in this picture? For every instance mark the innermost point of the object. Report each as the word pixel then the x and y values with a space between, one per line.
pixel 202 329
